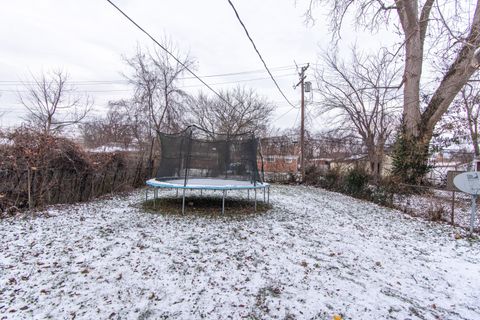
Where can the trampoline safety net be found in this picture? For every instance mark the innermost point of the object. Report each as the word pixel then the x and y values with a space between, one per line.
pixel 196 153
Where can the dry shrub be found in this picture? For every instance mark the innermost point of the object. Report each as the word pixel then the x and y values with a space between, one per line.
pixel 57 170
pixel 436 212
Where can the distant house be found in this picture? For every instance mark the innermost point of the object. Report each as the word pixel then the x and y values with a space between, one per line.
pixel 323 164
pixel 280 163
pixel 442 162
pixel 281 155
pixel 360 161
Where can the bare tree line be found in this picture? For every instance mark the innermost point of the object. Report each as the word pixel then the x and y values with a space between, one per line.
pixel 367 95
pixel 424 27
pixel 158 104
pixel 359 94
pixel 460 125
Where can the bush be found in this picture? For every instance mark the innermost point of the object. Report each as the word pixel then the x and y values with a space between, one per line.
pixel 356 181
pixel 382 195
pixel 410 159
pixel 312 175
pixel 332 180
pixel 436 213
pixel 37 169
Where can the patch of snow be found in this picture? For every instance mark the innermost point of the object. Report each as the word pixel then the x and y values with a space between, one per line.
pixel 441 201
pixel 6 142
pixel 315 254
pixel 109 149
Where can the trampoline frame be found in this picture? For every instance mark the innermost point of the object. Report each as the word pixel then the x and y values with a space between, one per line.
pixel 158 184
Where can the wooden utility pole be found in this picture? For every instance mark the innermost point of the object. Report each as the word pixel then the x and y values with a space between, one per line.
pixel 302 120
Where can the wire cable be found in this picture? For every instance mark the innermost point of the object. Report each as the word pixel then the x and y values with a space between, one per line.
pixel 181 86
pixel 170 54
pixel 284 114
pixel 124 81
pixel 296 118
pixel 258 52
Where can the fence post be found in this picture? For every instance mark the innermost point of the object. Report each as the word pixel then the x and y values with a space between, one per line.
pixel 29 187
pixel 452 214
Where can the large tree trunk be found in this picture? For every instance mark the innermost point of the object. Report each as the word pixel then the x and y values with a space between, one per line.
pixel 375 157
pixel 413 65
pixel 411 154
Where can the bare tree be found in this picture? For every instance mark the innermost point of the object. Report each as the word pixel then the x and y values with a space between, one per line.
pixel 470 103
pixel 337 144
pixel 137 120
pixel 360 96
pixel 158 103
pixel 452 25
pixel 52 103
pixel 461 122
pixel 155 78
pixel 245 111
pixel 113 129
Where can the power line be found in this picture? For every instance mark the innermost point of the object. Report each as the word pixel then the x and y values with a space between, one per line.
pixel 284 68
pixel 169 53
pixel 238 81
pixel 284 114
pixel 296 118
pixel 125 81
pixel 259 55
pixel 185 86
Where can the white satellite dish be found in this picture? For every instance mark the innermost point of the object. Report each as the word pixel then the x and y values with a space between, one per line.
pixel 468 182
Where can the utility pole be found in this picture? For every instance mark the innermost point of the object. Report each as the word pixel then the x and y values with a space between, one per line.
pixel 302 120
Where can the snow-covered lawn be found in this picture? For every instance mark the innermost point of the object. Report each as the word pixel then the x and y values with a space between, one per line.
pixel 439 201
pixel 315 254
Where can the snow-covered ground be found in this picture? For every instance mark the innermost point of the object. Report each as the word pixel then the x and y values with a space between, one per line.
pixel 438 204
pixel 315 254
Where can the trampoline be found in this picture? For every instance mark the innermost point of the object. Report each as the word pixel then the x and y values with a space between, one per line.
pixel 196 159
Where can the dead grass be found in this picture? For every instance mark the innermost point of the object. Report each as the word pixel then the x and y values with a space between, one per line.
pixel 205 206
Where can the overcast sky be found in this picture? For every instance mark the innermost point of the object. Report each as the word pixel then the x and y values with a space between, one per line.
pixel 88 38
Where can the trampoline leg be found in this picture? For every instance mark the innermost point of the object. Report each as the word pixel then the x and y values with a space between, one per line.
pixel 248 194
pixel 264 195
pixel 177 192
pixel 146 195
pixel 223 202
pixel 268 195
pixel 183 201
pixel 255 200
pixel 155 194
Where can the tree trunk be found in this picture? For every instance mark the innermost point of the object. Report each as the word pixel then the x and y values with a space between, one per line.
pixel 475 138
pixel 411 152
pixel 150 160
pixel 411 89
pixel 410 157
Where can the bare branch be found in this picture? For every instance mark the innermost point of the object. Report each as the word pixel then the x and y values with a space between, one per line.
pixel 53 104
pixel 360 94
pixel 250 112
pixel 155 78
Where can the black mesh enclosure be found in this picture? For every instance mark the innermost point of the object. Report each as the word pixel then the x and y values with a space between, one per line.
pixel 196 153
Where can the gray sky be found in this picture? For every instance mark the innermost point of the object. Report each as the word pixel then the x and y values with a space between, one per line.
pixel 88 38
